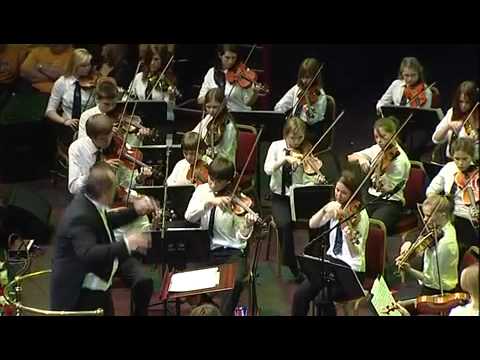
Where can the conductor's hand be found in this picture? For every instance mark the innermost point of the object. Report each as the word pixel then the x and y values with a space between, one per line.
pixel 144 205
pixel 139 241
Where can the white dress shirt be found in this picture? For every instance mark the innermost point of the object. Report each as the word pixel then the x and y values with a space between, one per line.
pixel 289 100
pixel 226 226
pixel 82 131
pixel 180 171
pixel 399 170
pixel 394 94
pixel 355 260
pixel 447 261
pixel 443 183
pixel 138 87
pixel 443 126
pixel 62 95
pixel 81 157
pixel 239 97
pixel 227 147
pixel 275 157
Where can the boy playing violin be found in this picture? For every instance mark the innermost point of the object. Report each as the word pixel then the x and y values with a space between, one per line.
pixel 390 171
pixel 179 175
pixel 347 243
pixel 229 233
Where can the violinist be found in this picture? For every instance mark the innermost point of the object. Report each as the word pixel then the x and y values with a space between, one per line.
pixel 444 249
pixel 313 105
pixel 452 125
pixel 405 89
pixel 240 99
pixel 182 169
pixel 116 64
pixel 147 86
pixel 454 179
pixel 71 97
pixel 285 170
pixel 229 233
pixel 347 243
pixel 218 129
pixel 469 283
pixel 391 170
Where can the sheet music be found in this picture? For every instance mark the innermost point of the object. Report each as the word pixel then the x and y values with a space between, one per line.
pixel 195 280
pixel 382 298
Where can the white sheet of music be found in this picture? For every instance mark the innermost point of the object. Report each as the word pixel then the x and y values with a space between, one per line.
pixel 195 280
pixel 382 298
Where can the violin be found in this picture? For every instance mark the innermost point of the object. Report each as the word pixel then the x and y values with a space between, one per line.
pixel 468 180
pixel 198 173
pixel 388 156
pixel 415 95
pixel 351 208
pixel 311 164
pixel 89 81
pixel 245 78
pixel 164 83
pixel 309 98
pixel 440 304
pixel 131 158
pixel 419 246
pixel 241 204
pixel 215 130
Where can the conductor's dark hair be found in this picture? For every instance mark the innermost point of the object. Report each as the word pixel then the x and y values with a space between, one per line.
pixel 221 169
pixel 100 180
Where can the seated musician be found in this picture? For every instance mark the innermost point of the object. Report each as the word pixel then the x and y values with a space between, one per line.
pixel 347 244
pixel 392 169
pixel 469 283
pixel 218 129
pixel 465 98
pixel 445 250
pixel 115 63
pixel 87 256
pixel 146 85
pixel 452 180
pixel 312 109
pixel 229 233
pixel 239 99
pixel 286 169
pixel 190 142
pixel 11 58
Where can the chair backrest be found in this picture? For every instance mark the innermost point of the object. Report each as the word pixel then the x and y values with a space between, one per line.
pixel 246 139
pixel 415 189
pixel 436 103
pixel 330 115
pixel 375 248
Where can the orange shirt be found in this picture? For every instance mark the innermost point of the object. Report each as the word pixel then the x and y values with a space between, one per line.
pixel 10 61
pixel 43 55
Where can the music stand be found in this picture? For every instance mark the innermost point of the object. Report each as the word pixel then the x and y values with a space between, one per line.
pixel 422 118
pixel 178 196
pixel 305 201
pixel 156 154
pixel 186 119
pixel 272 122
pixel 152 112
pixel 343 275
pixel 432 169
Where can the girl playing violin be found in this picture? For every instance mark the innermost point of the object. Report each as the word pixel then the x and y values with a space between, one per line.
pixel 69 95
pixel 240 99
pixel 147 86
pixel 410 82
pixel 312 108
pixel 218 129
pixel 347 243
pixel 285 170
pixel 466 97
pixel 392 169
pixel 446 249
pixel 179 175
pixel 455 179
pixel 229 233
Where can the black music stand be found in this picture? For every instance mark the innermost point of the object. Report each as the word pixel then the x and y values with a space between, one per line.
pixel 152 112
pixel 186 119
pixel 272 122
pixel 156 154
pixel 345 278
pixel 178 197
pixel 422 118
pixel 432 169
pixel 305 201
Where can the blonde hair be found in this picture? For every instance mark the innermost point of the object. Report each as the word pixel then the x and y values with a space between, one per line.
pixel 294 125
pixel 469 280
pixel 445 206
pixel 79 56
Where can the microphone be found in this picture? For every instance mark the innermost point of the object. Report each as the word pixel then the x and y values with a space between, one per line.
pixel 394 190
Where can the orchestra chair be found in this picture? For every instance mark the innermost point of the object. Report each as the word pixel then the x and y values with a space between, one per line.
pixel 118 283
pixel 414 194
pixel 375 254
pixel 436 100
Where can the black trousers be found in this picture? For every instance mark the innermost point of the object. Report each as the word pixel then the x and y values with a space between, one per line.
pixel 231 256
pixel 133 274
pixel 307 292
pixel 92 300
pixel 283 219
pixel 467 236
pixel 388 211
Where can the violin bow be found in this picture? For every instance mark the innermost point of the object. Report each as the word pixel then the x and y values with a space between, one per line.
pixel 308 87
pixel 466 120
pixel 170 61
pixel 419 93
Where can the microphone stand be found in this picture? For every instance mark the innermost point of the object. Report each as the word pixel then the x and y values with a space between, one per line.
pixel 325 281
